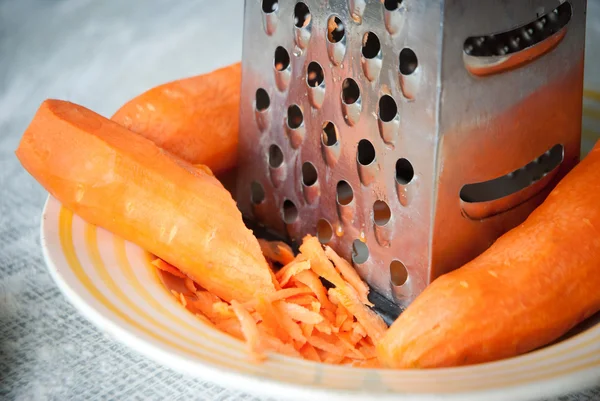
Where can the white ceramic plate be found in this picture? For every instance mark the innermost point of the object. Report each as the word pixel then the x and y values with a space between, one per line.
pixel 111 282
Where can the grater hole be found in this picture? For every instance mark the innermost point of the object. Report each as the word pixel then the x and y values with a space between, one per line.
pixel 270 6
pixel 289 212
pixel 262 100
pixel 392 5
pixel 282 59
pixel 360 252
pixel 387 108
pixel 257 193
pixel 404 171
pixel 350 91
pixel 309 174
pixel 381 213
pixel 408 61
pixel 275 156
pixel 301 15
pixel 398 273
pixel 345 195
pixel 294 116
pixel 330 134
pixel 366 152
pixel 314 74
pixel 324 231
pixel 335 29
pixel 371 45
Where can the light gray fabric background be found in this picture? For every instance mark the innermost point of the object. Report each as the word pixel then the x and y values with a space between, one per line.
pixel 99 54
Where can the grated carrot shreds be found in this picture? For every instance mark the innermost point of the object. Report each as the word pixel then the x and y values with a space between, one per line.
pixel 164 266
pixel 350 275
pixel 249 330
pixel 290 271
pixel 358 329
pixel 301 314
pixel 204 303
pixel 287 323
pixel 307 329
pixel 322 344
pixel 346 326
pixel 319 263
pixel 221 310
pixel 205 320
pixel 373 324
pixel 190 285
pixel 277 251
pixel 275 344
pixel 324 327
pixel 301 318
pixel 232 327
pixel 273 278
pixel 309 352
pixel 340 316
pixel 182 299
pixel 270 320
pixel 281 294
pixel 311 280
pixel 329 315
pixel 334 359
pixel 353 352
pixel 304 300
pixel 369 351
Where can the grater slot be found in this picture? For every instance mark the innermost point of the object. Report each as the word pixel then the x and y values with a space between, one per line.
pixel 494 53
pixel 485 199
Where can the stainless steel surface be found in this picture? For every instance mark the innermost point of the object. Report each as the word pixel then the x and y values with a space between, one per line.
pixel 397 114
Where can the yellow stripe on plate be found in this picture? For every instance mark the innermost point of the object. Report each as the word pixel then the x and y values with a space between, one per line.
pixel 589 112
pixel 592 94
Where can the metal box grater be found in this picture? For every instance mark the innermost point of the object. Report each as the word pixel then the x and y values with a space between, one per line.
pixel 407 135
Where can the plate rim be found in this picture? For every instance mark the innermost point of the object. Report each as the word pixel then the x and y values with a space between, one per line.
pixel 203 370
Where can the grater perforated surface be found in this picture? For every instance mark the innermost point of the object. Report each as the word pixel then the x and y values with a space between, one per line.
pixel 363 121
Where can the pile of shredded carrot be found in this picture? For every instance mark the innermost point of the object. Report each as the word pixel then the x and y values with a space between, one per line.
pixel 303 318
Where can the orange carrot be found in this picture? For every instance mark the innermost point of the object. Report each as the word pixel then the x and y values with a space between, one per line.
pixel 231 327
pixel 288 324
pixel 270 319
pixel 309 352
pixel 249 329
pixel 189 284
pixel 301 314
pixel 123 182
pixel 164 266
pixel 373 324
pixel 530 287
pixel 319 263
pixel 310 279
pixel 194 118
pixel 350 275
pixel 279 295
pixel 291 270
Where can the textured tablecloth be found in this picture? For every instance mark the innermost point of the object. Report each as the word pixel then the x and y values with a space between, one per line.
pixel 98 53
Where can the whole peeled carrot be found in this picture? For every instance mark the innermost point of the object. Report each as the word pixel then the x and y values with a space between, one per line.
pixel 194 118
pixel 533 285
pixel 118 180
